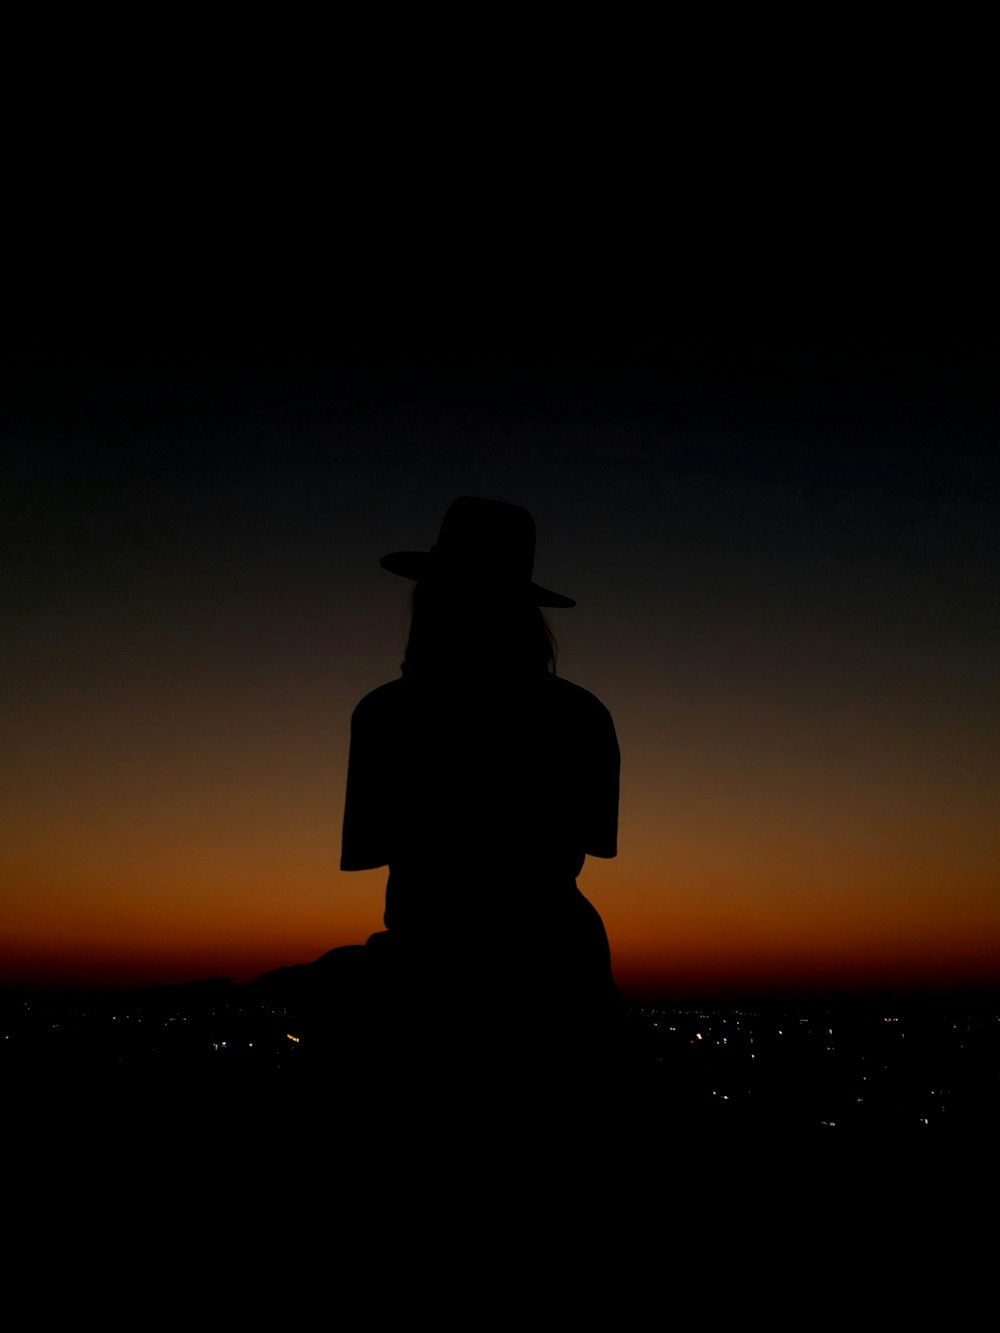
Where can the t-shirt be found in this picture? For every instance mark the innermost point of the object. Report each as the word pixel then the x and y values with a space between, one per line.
pixel 481 788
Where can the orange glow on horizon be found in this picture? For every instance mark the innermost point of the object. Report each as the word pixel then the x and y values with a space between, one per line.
pixel 156 859
pixel 662 942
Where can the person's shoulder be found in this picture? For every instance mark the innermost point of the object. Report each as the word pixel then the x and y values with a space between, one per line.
pixel 575 697
pixel 378 703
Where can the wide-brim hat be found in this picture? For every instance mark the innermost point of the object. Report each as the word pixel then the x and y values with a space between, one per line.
pixel 486 546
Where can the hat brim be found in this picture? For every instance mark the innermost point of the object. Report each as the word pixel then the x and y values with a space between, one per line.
pixel 418 564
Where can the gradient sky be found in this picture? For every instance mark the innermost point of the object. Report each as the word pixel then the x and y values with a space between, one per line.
pixel 783 546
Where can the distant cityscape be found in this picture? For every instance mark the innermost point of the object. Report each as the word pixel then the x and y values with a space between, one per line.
pixel 844 1067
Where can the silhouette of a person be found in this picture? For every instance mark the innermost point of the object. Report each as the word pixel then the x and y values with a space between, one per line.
pixel 482 780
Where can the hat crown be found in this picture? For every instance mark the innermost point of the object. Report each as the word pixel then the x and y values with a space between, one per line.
pixel 490 537
pixel 484 546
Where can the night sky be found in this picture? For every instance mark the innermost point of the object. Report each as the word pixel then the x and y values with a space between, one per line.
pixel 780 531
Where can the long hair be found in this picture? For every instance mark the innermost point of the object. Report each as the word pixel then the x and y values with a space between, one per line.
pixel 457 633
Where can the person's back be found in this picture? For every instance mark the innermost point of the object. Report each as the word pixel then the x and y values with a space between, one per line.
pixel 482 801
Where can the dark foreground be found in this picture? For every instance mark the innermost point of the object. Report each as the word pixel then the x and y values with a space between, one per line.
pixel 206 1152
pixel 930 1069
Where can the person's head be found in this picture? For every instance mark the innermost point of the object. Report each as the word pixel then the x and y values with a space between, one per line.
pixel 455 634
pixel 475 607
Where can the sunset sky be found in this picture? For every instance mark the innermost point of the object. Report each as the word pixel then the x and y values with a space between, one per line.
pixel 782 541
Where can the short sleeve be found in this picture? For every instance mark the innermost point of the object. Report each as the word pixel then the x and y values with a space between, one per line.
pixel 365 805
pixel 603 764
